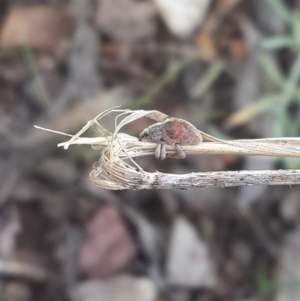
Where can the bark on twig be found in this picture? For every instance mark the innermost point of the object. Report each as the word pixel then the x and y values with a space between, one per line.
pixel 223 179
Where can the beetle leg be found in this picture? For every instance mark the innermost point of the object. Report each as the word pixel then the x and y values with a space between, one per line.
pixel 163 151
pixel 181 154
pixel 158 151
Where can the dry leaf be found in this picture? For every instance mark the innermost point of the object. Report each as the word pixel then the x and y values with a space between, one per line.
pixel 40 27
pixel 126 20
pixel 108 246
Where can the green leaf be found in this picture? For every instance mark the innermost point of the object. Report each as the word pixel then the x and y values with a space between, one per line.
pixel 271 69
pixel 250 111
pixel 265 284
pixel 210 76
pixel 278 42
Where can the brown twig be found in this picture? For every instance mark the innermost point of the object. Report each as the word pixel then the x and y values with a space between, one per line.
pixel 221 179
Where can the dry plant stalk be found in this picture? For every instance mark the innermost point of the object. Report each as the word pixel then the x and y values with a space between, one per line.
pixel 117 170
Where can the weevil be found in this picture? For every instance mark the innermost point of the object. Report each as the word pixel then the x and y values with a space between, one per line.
pixel 171 131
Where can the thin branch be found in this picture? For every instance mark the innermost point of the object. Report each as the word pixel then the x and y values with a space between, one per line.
pixel 222 179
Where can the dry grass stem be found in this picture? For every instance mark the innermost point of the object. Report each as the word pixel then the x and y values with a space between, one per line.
pixel 117 170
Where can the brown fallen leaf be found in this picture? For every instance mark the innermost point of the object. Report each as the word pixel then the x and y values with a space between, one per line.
pixel 126 20
pixel 108 246
pixel 205 44
pixel 41 27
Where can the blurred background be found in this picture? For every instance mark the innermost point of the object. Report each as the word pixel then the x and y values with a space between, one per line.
pixel 231 67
